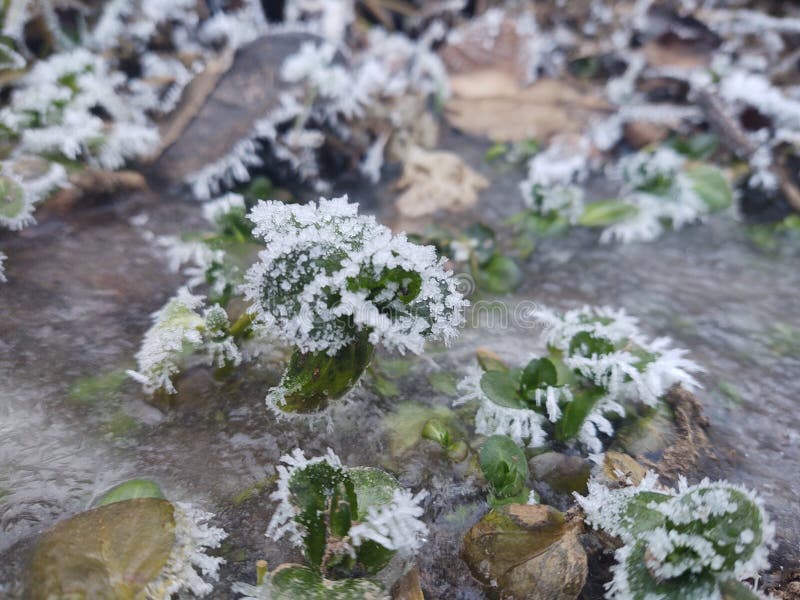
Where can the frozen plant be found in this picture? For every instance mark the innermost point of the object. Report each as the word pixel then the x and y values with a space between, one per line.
pixel 56 106
pixel 598 364
pixel 659 191
pixel 24 182
pixel 179 330
pixel 348 520
pixel 334 284
pixel 695 543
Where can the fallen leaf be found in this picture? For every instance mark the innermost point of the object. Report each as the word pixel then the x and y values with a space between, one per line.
pixel 436 180
pixel 112 551
pixel 492 104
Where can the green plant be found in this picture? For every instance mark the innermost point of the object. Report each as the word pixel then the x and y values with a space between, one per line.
pixel 693 543
pixel 597 364
pixel 350 521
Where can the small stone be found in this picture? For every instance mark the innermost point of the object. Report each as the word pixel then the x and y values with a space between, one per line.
pixel 618 466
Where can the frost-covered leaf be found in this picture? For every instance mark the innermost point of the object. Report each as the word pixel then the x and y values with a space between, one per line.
pixel 539 372
pixel 347 520
pixel 633 581
pixel 576 412
pixel 329 276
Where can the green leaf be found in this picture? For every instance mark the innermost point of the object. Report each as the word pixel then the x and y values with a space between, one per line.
pixel 313 379
pixel 699 146
pixel 322 493
pixel 444 383
pixel 111 551
pixel 643 585
pixel 436 431
pixel 135 488
pixel 495 151
pixel 259 188
pixel 506 469
pixel 606 212
pixel 500 275
pixel 575 413
pixel 586 344
pixel 502 388
pixel 290 582
pixel 711 186
pixel 539 372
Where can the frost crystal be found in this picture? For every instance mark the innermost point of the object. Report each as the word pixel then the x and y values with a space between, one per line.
pixel 53 109
pixel 178 330
pixel 606 346
pixel 395 525
pixel 682 541
pixel 328 274
pixel 193 537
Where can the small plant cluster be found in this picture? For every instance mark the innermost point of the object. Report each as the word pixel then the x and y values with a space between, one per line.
pixel 330 283
pixel 597 367
pixel 92 105
pixel 350 522
pixel 659 190
pixel 695 543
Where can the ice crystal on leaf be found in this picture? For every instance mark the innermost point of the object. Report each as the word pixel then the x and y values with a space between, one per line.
pixel 598 364
pixel 328 274
pixel 344 516
pixel 681 543
pixel 178 330
pixel 193 537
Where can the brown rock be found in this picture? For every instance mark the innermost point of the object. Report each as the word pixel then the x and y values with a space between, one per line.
pixel 243 95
